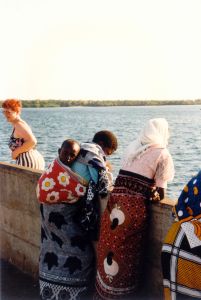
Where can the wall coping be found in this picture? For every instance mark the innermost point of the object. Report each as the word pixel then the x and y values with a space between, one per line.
pixel 14 167
pixel 8 166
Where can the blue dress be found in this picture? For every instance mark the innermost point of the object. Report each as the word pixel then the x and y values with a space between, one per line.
pixel 189 202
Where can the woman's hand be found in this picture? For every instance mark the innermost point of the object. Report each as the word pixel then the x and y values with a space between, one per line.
pixel 109 166
pixel 155 197
pixel 157 194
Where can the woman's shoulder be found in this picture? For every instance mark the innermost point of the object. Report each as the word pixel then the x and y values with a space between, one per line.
pixel 161 155
pixel 164 152
pixel 159 152
pixel 21 125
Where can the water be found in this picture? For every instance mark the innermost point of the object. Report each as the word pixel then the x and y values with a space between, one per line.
pixel 52 125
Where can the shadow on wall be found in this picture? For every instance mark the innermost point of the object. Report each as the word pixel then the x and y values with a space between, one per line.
pixel 20 226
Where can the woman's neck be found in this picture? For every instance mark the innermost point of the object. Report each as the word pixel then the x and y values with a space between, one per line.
pixel 17 119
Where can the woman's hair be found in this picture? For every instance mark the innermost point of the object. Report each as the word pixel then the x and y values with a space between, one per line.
pixel 13 104
pixel 68 143
pixel 107 139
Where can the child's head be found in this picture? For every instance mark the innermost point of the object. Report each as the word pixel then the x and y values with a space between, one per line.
pixel 69 151
pixel 107 140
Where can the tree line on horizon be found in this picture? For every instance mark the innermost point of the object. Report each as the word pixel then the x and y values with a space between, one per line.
pixel 69 103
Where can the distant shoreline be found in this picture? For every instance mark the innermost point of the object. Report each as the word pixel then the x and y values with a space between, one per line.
pixel 101 103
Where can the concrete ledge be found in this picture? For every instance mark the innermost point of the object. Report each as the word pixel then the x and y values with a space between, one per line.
pixel 19 213
pixel 160 221
pixel 20 225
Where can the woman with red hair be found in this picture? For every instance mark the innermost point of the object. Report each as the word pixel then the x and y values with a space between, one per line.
pixel 22 142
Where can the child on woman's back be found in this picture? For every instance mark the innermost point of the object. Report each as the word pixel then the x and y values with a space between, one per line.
pixel 77 167
pixel 59 183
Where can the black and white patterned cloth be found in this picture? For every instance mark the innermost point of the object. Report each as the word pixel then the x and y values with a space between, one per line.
pixel 92 154
pixel 67 257
pixel 49 291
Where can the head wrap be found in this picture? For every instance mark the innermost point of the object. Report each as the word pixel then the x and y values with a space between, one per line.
pixel 155 133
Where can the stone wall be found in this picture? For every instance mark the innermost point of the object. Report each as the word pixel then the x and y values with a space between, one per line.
pixel 160 222
pixel 20 225
pixel 19 215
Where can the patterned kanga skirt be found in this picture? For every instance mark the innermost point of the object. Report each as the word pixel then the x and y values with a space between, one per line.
pixel 181 262
pixel 67 258
pixel 53 291
pixel 122 237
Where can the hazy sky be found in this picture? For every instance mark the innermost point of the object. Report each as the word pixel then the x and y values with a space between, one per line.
pixel 106 49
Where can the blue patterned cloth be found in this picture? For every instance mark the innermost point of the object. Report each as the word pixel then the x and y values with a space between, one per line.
pixel 189 202
pixel 92 157
pixel 66 256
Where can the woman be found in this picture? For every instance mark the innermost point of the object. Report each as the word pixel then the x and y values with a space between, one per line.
pixel 22 142
pixel 181 251
pixel 146 168
pixel 67 258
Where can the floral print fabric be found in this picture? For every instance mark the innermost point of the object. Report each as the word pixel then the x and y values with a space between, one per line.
pixel 59 184
pixel 15 142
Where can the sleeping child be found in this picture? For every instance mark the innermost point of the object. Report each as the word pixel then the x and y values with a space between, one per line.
pixel 59 183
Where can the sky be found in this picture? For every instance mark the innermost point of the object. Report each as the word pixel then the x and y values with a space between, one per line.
pixel 100 49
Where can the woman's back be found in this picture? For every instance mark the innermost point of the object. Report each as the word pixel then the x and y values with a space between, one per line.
pixel 155 163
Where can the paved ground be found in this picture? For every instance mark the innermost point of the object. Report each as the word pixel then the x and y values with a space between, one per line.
pixel 16 285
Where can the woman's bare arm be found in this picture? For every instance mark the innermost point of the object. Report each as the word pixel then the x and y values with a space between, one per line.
pixel 161 192
pixel 22 130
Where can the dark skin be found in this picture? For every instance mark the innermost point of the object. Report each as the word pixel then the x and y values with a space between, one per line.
pixel 107 150
pixel 68 153
pixel 158 194
pixel 70 150
pixel 161 192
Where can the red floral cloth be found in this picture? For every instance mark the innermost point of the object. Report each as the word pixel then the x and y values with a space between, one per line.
pixel 60 184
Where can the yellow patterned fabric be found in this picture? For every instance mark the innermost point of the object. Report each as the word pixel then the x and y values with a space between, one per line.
pixel 181 265
pixel 167 294
pixel 169 239
pixel 189 274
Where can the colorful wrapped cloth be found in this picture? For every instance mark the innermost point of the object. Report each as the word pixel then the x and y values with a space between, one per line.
pixel 123 231
pixel 181 261
pixel 93 156
pixel 67 259
pixel 181 251
pixel 60 184
pixel 189 202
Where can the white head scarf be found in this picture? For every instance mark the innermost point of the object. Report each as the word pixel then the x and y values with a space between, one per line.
pixel 154 133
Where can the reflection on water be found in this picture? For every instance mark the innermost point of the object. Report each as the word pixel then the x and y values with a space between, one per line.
pixel 52 125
